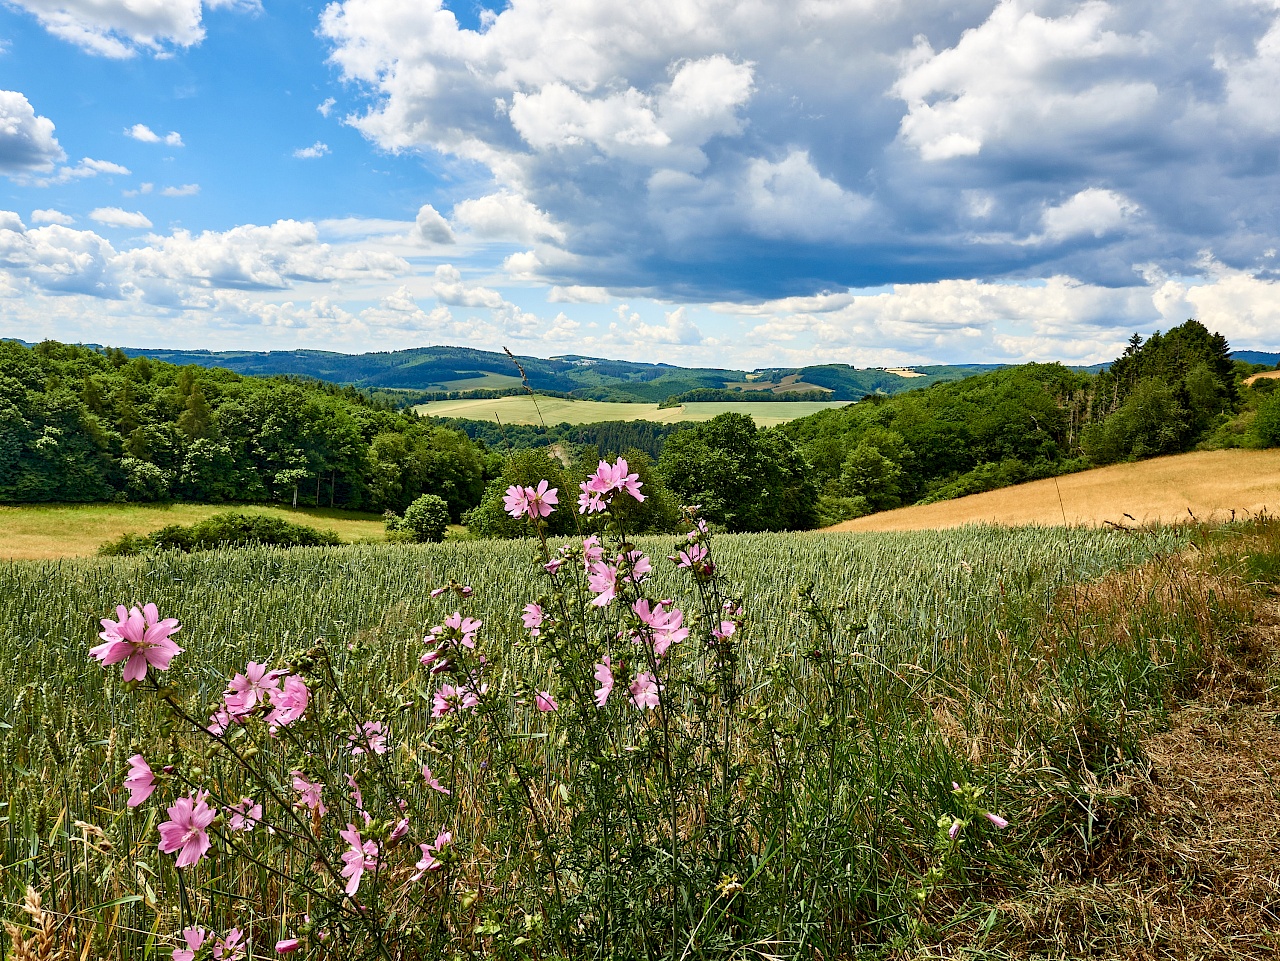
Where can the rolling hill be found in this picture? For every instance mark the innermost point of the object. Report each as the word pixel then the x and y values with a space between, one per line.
pixel 1208 484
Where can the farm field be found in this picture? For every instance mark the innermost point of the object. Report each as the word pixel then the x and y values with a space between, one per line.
pixel 522 409
pixel 941 642
pixel 1210 484
pixel 40 531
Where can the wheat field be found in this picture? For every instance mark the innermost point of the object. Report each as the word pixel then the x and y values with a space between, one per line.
pixel 1208 485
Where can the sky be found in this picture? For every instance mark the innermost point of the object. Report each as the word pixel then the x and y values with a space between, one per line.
pixel 732 183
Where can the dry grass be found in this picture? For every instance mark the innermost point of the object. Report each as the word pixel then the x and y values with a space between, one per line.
pixel 1209 484
pixel 47 531
pixel 1265 375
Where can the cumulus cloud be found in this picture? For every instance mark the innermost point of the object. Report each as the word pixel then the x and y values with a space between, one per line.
pixel 120 28
pixel 576 294
pixel 140 131
pixel 186 190
pixel 51 217
pixel 317 149
pixel 27 142
pixel 325 106
pixel 450 288
pixel 116 217
pixel 506 217
pixel 688 147
pixel 430 227
pixel 85 169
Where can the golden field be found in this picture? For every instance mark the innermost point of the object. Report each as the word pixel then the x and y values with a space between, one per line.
pixel 1209 484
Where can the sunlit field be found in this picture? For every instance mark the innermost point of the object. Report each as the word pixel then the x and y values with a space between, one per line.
pixel 40 531
pixel 1203 485
pixel 523 409
pixel 958 656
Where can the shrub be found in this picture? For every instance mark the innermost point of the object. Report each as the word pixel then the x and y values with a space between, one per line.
pixel 1266 426
pixel 426 519
pixel 227 530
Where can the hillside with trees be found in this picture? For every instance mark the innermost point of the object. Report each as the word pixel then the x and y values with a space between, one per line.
pixel 78 424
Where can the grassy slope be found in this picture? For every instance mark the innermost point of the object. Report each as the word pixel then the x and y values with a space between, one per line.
pixel 557 410
pixel 1209 483
pixel 46 531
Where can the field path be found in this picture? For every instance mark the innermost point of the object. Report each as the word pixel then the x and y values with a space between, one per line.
pixel 1211 484
pixel 1186 862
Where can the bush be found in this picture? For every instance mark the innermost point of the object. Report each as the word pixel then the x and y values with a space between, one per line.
pixel 228 530
pixel 426 519
pixel 1266 426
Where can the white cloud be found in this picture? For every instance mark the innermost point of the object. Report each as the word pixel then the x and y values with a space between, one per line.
pixel 449 288
pixel 678 329
pixel 120 28
pixel 186 190
pixel 317 149
pixel 27 142
pixel 506 217
pixel 85 169
pixel 325 106
pixel 576 294
pixel 115 217
pixel 791 200
pixel 51 217
pixel 430 227
pixel 1092 212
pixel 140 131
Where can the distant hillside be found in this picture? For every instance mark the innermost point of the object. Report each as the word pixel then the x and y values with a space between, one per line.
pixel 431 373
pixel 1256 357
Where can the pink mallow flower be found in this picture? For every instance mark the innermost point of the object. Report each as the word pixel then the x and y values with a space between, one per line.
pixel 187 830
pixel 690 557
pixel 592 550
pixel 448 698
pixel 246 691
pixel 195 938
pixel 665 623
pixel 609 478
pixel 229 947
pixel 287 945
pixel 429 860
pixel 995 819
pixel 644 691
pixel 541 500
pixel 546 702
pixel 602 580
pixel 140 639
pixel 289 701
pixel 372 737
pixel 359 857
pixel 431 781
pixel 140 782
pixel 604 677
pixel 245 815
pixel 309 793
pixel 532 618
pixel 516 501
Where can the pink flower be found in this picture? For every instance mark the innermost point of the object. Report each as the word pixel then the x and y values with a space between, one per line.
pixel 399 831
pixel 289 701
pixel 666 625
pixel 361 856
pixel 644 691
pixel 429 862
pixel 372 737
pixel 309 793
pixel 604 677
pixel 245 815
pixel 602 579
pixel 532 618
pixel 140 782
pixel 432 782
pixel 246 691
pixel 637 563
pixel 195 938
pixel 229 947
pixel 614 478
pixel 140 639
pixel 592 551
pixel 546 702
pixel 516 501
pixel 287 946
pixel 588 502
pixel 464 627
pixel 953 832
pixel 996 819
pixel 553 565
pixel 541 500
pixel 691 556
pixel 187 830
pixel 448 698
pixel 725 631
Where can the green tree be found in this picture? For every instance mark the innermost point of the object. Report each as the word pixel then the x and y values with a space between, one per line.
pixel 427 519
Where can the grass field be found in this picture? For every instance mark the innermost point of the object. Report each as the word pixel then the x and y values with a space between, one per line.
pixel 960 655
pixel 522 409
pixel 40 531
pixel 1208 485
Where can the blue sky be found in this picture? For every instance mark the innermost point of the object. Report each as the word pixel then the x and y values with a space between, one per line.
pixel 698 181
